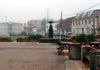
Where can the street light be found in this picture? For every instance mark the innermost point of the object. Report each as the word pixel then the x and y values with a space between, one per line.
pixel 93 29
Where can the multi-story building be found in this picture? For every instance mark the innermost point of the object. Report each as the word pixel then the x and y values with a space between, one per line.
pixel 26 30
pixel 65 26
pixel 38 27
pixel 87 22
pixel 43 26
pixel 10 28
pixel 4 30
pixel 33 26
pixel 16 28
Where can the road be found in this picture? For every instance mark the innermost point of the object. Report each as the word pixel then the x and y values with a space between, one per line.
pixel 30 56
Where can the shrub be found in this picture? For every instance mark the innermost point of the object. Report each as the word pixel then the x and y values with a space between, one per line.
pixel 73 37
pixel 91 37
pixel 37 36
pixel 81 38
pixel 22 37
pixel 31 36
pixel 84 38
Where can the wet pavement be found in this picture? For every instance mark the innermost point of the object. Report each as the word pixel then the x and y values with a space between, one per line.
pixel 30 56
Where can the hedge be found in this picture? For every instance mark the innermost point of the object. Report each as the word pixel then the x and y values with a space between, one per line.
pixel 5 38
pixel 48 40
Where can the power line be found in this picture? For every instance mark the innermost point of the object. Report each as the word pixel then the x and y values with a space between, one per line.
pixel 90 7
pixel 83 10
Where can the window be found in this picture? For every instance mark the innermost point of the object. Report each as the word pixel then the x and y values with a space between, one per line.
pixel 89 21
pixel 77 30
pixel 93 20
pixel 73 30
pixel 88 30
pixel 79 22
pixel 85 21
pixel 76 23
pixel 82 22
pixel 73 24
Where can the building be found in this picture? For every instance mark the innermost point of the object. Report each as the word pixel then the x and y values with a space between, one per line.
pixel 32 27
pixel 87 22
pixel 26 30
pixel 66 26
pixel 4 30
pixel 16 28
pixel 43 26
pixel 10 28
pixel 38 27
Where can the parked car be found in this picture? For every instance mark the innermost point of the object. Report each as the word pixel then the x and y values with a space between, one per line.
pixel 69 34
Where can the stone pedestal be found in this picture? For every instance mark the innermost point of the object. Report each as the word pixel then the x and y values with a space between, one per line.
pixel 50 31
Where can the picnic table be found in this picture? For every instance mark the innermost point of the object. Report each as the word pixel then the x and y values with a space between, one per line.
pixel 92 55
pixel 95 45
pixel 63 46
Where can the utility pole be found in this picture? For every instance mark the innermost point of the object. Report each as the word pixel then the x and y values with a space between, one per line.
pixel 47 14
pixel 46 25
pixel 60 27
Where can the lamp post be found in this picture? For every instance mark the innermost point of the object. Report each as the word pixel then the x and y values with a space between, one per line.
pixel 93 31
pixel 50 29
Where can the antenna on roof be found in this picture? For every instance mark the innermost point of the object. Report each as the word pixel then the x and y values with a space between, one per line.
pixel 5 18
pixel 47 14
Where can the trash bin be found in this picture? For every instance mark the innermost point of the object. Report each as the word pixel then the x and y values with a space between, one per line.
pixel 75 51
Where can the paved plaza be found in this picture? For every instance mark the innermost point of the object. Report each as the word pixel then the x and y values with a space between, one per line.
pixel 30 56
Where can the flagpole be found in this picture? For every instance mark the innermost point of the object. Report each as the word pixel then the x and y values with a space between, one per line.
pixel 60 27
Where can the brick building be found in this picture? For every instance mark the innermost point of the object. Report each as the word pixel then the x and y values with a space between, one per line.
pixel 66 26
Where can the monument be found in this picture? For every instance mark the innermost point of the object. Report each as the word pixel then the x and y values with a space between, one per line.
pixel 50 29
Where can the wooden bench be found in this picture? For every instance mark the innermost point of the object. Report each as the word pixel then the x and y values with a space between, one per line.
pixel 91 55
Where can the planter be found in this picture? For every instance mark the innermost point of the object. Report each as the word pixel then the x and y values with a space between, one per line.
pixel 5 41
pixel 85 43
pixel 48 40
pixel 26 40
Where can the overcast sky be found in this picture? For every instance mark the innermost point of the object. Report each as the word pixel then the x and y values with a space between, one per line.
pixel 24 10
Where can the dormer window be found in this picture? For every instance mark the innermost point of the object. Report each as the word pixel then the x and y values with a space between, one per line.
pixel 78 15
pixel 84 14
pixel 90 13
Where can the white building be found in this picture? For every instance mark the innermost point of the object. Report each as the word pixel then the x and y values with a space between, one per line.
pixel 16 28
pixel 10 28
pixel 4 29
pixel 38 27
pixel 87 22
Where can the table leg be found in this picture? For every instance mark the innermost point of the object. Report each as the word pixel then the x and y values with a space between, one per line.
pixel 60 51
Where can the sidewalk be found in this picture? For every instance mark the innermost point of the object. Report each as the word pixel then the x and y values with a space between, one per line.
pixel 70 64
pixel 74 64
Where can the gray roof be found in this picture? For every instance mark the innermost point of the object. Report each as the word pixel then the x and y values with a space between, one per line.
pixel 85 15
